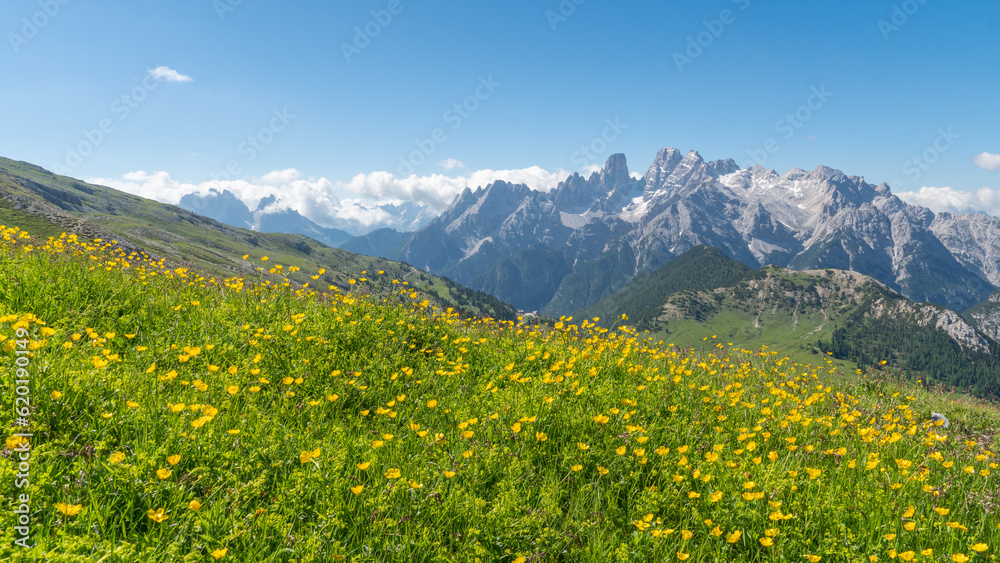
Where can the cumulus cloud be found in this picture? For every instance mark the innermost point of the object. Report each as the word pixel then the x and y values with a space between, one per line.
pixel 352 205
pixel 987 161
pixel 168 74
pixel 451 164
pixel 950 200
pixel 281 176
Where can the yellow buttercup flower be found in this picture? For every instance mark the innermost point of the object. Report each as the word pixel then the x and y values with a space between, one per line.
pixel 220 553
pixel 157 515
pixel 174 459
pixel 194 505
pixel 68 509
pixel 392 473
pixel 357 490
pixel 116 458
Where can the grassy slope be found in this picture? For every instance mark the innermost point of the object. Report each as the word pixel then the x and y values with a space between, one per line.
pixel 63 204
pixel 740 318
pixel 391 431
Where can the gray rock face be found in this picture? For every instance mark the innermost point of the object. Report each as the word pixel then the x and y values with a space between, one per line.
pixel 986 316
pixel 802 219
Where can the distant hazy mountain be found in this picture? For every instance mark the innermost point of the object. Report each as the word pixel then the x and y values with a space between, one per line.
pixel 565 250
pixel 225 208
pixel 271 216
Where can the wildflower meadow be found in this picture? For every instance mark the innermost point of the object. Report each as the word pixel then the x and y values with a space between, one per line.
pixel 164 414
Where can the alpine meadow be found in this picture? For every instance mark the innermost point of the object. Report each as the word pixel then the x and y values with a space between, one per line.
pixel 177 416
pixel 557 281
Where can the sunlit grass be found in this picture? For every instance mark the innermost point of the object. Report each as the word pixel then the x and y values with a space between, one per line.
pixel 180 417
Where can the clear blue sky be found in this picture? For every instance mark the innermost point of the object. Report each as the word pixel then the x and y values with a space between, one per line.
pixel 893 88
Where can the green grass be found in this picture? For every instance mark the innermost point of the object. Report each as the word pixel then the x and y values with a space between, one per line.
pixel 310 424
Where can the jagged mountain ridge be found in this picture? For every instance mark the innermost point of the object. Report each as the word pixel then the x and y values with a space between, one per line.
pixel 604 230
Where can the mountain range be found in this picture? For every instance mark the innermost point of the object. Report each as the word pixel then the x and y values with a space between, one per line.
pixel 565 250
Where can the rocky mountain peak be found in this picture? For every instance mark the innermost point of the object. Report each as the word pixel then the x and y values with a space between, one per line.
pixel 666 160
pixel 615 170
pixel 718 168
pixel 264 202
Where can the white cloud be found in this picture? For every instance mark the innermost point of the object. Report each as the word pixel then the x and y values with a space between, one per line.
pixel 168 74
pixel 951 200
pixel 281 176
pixel 336 204
pixel 987 161
pixel 451 164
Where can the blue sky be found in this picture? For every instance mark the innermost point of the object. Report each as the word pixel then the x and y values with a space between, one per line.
pixel 273 88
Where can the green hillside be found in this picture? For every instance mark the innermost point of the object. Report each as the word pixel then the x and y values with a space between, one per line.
pixel 702 268
pixel 49 204
pixel 703 295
